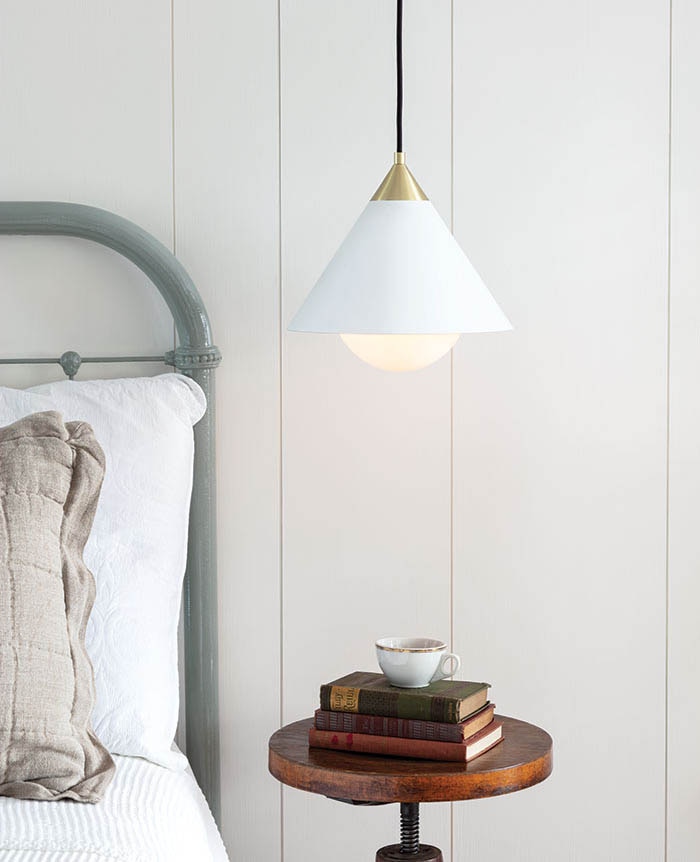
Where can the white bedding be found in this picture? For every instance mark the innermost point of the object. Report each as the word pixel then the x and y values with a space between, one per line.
pixel 149 814
pixel 137 548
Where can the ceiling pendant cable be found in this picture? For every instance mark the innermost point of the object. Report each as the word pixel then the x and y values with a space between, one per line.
pixel 399 76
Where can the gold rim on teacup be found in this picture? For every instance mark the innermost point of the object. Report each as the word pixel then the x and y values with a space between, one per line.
pixel 383 643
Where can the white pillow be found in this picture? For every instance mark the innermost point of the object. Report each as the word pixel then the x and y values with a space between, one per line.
pixel 17 403
pixel 137 548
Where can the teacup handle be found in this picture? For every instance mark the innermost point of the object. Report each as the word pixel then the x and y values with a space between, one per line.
pixel 440 673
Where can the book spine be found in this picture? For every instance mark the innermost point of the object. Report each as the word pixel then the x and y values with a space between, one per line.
pixel 392 746
pixel 398 704
pixel 407 728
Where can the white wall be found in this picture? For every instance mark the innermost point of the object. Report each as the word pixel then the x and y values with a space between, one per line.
pixel 533 497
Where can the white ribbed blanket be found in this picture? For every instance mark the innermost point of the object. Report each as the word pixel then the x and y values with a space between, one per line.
pixel 149 814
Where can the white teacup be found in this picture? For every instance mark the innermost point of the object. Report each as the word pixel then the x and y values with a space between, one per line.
pixel 415 662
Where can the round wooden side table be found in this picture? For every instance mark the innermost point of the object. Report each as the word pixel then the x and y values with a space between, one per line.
pixel 523 758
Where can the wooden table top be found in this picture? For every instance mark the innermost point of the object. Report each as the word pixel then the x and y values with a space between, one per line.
pixel 523 758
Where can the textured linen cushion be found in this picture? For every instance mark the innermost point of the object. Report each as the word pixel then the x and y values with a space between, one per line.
pixel 50 477
pixel 137 551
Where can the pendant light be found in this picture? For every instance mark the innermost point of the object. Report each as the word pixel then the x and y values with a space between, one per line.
pixel 399 291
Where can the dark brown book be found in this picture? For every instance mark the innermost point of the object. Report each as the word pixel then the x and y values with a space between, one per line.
pixel 423 749
pixel 368 693
pixel 407 728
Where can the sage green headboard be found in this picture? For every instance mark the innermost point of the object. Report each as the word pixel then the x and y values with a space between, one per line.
pixel 196 357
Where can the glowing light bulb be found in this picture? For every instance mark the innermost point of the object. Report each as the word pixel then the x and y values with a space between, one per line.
pixel 400 352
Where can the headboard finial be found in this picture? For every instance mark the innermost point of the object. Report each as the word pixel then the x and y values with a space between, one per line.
pixel 70 362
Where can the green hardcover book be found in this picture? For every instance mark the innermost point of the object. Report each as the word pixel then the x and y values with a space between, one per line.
pixel 448 700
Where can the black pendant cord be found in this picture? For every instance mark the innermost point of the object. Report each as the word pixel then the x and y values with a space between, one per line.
pixel 399 76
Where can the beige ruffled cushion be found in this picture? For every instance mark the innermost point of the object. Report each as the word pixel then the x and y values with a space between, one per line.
pixel 50 479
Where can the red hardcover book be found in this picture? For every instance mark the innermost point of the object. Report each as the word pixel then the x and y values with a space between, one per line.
pixel 395 746
pixel 408 728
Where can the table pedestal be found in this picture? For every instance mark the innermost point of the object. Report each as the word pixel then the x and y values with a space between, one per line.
pixel 410 849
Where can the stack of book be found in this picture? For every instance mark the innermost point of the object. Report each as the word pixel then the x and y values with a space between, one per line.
pixel 447 720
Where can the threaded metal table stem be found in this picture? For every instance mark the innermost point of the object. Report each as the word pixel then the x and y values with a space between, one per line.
pixel 410 825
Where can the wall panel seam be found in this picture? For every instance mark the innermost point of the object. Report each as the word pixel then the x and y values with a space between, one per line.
pixel 452 374
pixel 668 422
pixel 280 336
pixel 172 140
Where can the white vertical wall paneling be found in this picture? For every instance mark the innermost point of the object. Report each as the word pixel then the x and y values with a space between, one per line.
pixel 684 474
pixel 366 453
pixel 561 145
pixel 560 427
pixel 80 123
pixel 226 173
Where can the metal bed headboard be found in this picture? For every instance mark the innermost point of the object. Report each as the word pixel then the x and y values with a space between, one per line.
pixel 196 357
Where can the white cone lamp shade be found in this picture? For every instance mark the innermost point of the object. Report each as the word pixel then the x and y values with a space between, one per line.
pixel 400 290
